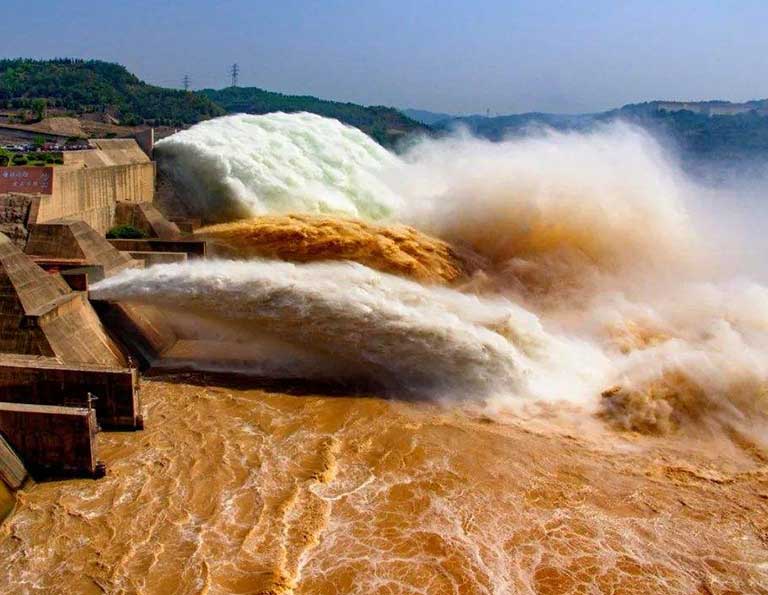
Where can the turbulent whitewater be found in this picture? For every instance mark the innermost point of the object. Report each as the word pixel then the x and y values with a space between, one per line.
pixel 414 340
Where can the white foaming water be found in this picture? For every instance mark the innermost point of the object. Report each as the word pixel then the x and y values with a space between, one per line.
pixel 410 338
pixel 593 233
pixel 246 165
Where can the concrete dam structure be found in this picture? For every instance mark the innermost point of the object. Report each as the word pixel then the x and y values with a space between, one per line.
pixel 88 187
pixel 63 375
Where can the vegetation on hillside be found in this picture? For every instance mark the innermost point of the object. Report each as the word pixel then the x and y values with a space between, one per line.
pixel 93 86
pixel 84 86
pixel 427 117
pixel 36 87
pixel 385 124
pixel 38 158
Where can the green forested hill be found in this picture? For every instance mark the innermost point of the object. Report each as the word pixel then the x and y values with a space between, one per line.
pixel 385 124
pixel 83 86
pixel 91 86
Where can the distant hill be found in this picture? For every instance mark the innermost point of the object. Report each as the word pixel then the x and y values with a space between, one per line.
pixel 710 130
pixel 707 108
pixel 385 124
pixel 102 94
pixel 426 117
pixel 707 130
pixel 86 86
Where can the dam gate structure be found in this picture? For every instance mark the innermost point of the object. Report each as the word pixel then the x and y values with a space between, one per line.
pixel 113 392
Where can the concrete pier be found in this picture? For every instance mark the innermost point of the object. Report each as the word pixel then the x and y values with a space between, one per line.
pixel 41 315
pixel 52 441
pixel 46 381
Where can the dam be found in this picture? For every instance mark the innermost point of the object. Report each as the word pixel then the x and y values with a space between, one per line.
pixel 64 375
pixel 507 416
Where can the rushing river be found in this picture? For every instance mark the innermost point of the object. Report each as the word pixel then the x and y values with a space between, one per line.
pixel 231 490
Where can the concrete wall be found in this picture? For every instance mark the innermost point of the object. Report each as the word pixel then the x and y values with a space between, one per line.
pixel 45 381
pixel 75 334
pixel 13 474
pixel 107 152
pixel 40 315
pixel 52 441
pixel 143 331
pixel 12 471
pixel 87 187
pixel 192 248
pixel 146 140
pixel 91 194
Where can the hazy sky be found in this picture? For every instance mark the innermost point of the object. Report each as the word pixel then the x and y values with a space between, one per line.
pixel 447 55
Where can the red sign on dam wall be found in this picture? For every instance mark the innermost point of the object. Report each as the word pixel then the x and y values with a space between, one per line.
pixel 28 180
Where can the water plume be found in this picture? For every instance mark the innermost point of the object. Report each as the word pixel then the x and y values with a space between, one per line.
pixel 596 238
pixel 692 352
pixel 396 249
pixel 409 338
pixel 244 165
pixel 611 198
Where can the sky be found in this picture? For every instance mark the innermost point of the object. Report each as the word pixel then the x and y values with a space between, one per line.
pixel 497 56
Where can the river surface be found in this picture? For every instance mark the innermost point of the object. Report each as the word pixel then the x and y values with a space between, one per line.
pixel 240 490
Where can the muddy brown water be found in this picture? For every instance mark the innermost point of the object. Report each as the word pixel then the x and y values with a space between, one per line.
pixel 240 490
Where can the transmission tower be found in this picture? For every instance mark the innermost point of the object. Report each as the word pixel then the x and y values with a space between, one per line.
pixel 235 72
pixel 185 82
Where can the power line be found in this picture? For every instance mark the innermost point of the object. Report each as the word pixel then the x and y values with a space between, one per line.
pixel 235 72
pixel 185 82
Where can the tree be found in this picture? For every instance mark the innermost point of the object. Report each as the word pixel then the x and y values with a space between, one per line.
pixel 39 106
